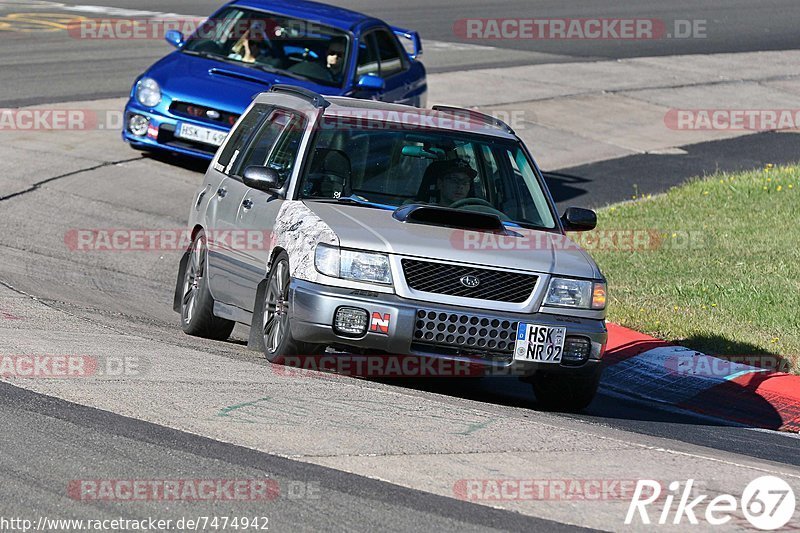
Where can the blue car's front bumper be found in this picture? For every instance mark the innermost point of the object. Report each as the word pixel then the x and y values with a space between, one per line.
pixel 161 133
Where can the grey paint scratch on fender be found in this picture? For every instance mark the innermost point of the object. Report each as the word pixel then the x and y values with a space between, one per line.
pixel 298 230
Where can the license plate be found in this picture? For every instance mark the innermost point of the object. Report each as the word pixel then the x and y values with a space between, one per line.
pixel 203 135
pixel 541 344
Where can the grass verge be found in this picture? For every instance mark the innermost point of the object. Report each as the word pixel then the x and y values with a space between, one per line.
pixel 713 264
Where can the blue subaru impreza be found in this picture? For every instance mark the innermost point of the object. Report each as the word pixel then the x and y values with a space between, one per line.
pixel 187 102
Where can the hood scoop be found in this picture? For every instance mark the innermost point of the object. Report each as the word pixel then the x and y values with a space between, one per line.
pixel 448 218
pixel 237 76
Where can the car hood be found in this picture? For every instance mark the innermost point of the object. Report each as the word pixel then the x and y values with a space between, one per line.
pixel 219 84
pixel 365 228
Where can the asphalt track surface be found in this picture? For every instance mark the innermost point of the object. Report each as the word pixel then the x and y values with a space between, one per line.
pixel 86 70
pixel 48 441
pixel 350 502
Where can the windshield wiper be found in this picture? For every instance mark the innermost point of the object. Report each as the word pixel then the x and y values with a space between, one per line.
pixel 355 200
pixel 530 225
pixel 204 54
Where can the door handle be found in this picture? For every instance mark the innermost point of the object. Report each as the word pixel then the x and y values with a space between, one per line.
pixel 221 192
pixel 200 198
pixel 247 203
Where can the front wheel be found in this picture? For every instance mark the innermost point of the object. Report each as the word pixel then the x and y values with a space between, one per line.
pixel 562 392
pixel 276 332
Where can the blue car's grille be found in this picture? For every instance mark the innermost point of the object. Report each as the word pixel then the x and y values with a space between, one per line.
pixel 205 114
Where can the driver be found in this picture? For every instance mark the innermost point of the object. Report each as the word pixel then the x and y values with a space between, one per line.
pixel 335 58
pixel 456 182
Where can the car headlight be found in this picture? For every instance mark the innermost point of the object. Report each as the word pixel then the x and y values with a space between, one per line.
pixel 349 264
pixel 148 93
pixel 577 293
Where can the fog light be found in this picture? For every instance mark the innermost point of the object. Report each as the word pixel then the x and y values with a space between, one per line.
pixel 137 125
pixel 576 349
pixel 350 321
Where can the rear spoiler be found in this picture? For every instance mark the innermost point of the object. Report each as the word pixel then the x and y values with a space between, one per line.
pixel 412 38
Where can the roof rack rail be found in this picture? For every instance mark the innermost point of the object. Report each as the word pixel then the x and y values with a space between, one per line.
pixel 317 100
pixel 476 115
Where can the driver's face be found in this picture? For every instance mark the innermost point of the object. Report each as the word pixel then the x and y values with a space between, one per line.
pixel 454 187
pixel 335 54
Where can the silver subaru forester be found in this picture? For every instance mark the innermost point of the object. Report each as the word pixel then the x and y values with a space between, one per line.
pixel 362 227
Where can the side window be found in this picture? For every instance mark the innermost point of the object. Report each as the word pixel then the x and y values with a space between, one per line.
pixel 240 137
pixel 390 53
pixel 529 197
pixel 284 153
pixel 367 56
pixel 260 147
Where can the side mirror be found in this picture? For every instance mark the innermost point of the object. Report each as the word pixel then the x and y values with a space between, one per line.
pixel 175 38
pixel 371 82
pixel 261 178
pixel 578 219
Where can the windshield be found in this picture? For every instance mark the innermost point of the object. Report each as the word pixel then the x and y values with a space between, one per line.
pixel 296 47
pixel 391 168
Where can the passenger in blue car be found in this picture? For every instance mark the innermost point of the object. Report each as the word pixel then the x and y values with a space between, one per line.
pixel 247 48
pixel 255 42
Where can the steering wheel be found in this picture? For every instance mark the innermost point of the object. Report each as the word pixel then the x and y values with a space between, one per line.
pixel 479 202
pixel 297 55
pixel 470 201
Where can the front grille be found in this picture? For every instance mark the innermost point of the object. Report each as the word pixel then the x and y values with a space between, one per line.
pixel 201 113
pixel 494 285
pixel 468 334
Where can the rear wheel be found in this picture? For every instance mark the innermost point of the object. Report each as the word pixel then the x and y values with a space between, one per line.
pixel 562 392
pixel 197 304
pixel 275 327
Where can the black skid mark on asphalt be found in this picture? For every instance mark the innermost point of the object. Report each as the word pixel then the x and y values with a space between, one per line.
pixel 38 184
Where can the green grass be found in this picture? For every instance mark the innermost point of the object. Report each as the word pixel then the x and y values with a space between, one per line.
pixel 735 289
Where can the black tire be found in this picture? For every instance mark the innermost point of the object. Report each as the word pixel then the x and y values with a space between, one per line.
pixel 276 334
pixel 562 392
pixel 197 304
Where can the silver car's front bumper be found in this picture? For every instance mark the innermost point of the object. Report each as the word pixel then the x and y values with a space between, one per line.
pixel 313 307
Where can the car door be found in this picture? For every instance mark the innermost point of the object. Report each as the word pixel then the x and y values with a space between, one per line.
pixel 380 54
pixel 227 191
pixel 275 146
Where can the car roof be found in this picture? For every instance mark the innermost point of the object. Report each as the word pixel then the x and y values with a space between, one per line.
pixel 457 119
pixel 327 15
